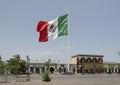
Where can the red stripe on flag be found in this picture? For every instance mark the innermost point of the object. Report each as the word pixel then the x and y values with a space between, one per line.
pixel 42 29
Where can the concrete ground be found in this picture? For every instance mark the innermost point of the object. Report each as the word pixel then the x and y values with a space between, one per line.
pixel 77 79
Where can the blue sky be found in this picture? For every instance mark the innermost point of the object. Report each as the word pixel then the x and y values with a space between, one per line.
pixel 94 27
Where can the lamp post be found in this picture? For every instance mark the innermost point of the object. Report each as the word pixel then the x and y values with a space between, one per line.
pixel 28 61
pixel 118 64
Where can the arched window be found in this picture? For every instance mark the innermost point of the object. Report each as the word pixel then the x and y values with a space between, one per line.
pixel 88 60
pixel 100 60
pixel 77 60
pixel 82 60
pixel 94 60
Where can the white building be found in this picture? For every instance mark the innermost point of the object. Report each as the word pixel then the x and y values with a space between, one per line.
pixel 81 63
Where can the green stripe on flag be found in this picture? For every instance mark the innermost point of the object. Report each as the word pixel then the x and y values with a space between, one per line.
pixel 63 25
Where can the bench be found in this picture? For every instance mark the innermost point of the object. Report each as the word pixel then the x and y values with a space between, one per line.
pixel 22 78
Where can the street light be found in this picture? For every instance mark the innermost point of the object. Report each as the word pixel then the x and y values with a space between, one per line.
pixel 28 61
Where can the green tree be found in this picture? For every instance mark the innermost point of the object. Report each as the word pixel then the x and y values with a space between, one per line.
pixel 47 65
pixel 16 65
pixel 3 68
pixel 89 67
pixel 46 74
pixel 23 67
pixel 100 67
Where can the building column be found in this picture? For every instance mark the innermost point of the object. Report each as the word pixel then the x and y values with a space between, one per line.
pixel 107 70
pixel 34 70
pixel 117 70
pixel 40 70
pixel 114 70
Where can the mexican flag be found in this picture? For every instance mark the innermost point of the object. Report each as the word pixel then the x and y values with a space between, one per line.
pixel 52 29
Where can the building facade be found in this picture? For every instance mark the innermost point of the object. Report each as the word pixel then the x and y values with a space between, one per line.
pixel 82 63
pixel 86 63
pixel 40 68
pixel 89 63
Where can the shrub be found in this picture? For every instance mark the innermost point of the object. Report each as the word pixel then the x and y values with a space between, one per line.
pixel 46 76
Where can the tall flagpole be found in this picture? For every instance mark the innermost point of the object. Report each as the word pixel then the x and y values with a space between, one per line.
pixel 68 43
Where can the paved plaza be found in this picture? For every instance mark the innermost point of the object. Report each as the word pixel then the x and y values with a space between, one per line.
pixel 77 79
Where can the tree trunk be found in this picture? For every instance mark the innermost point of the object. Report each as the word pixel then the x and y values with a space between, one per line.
pixel 6 77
